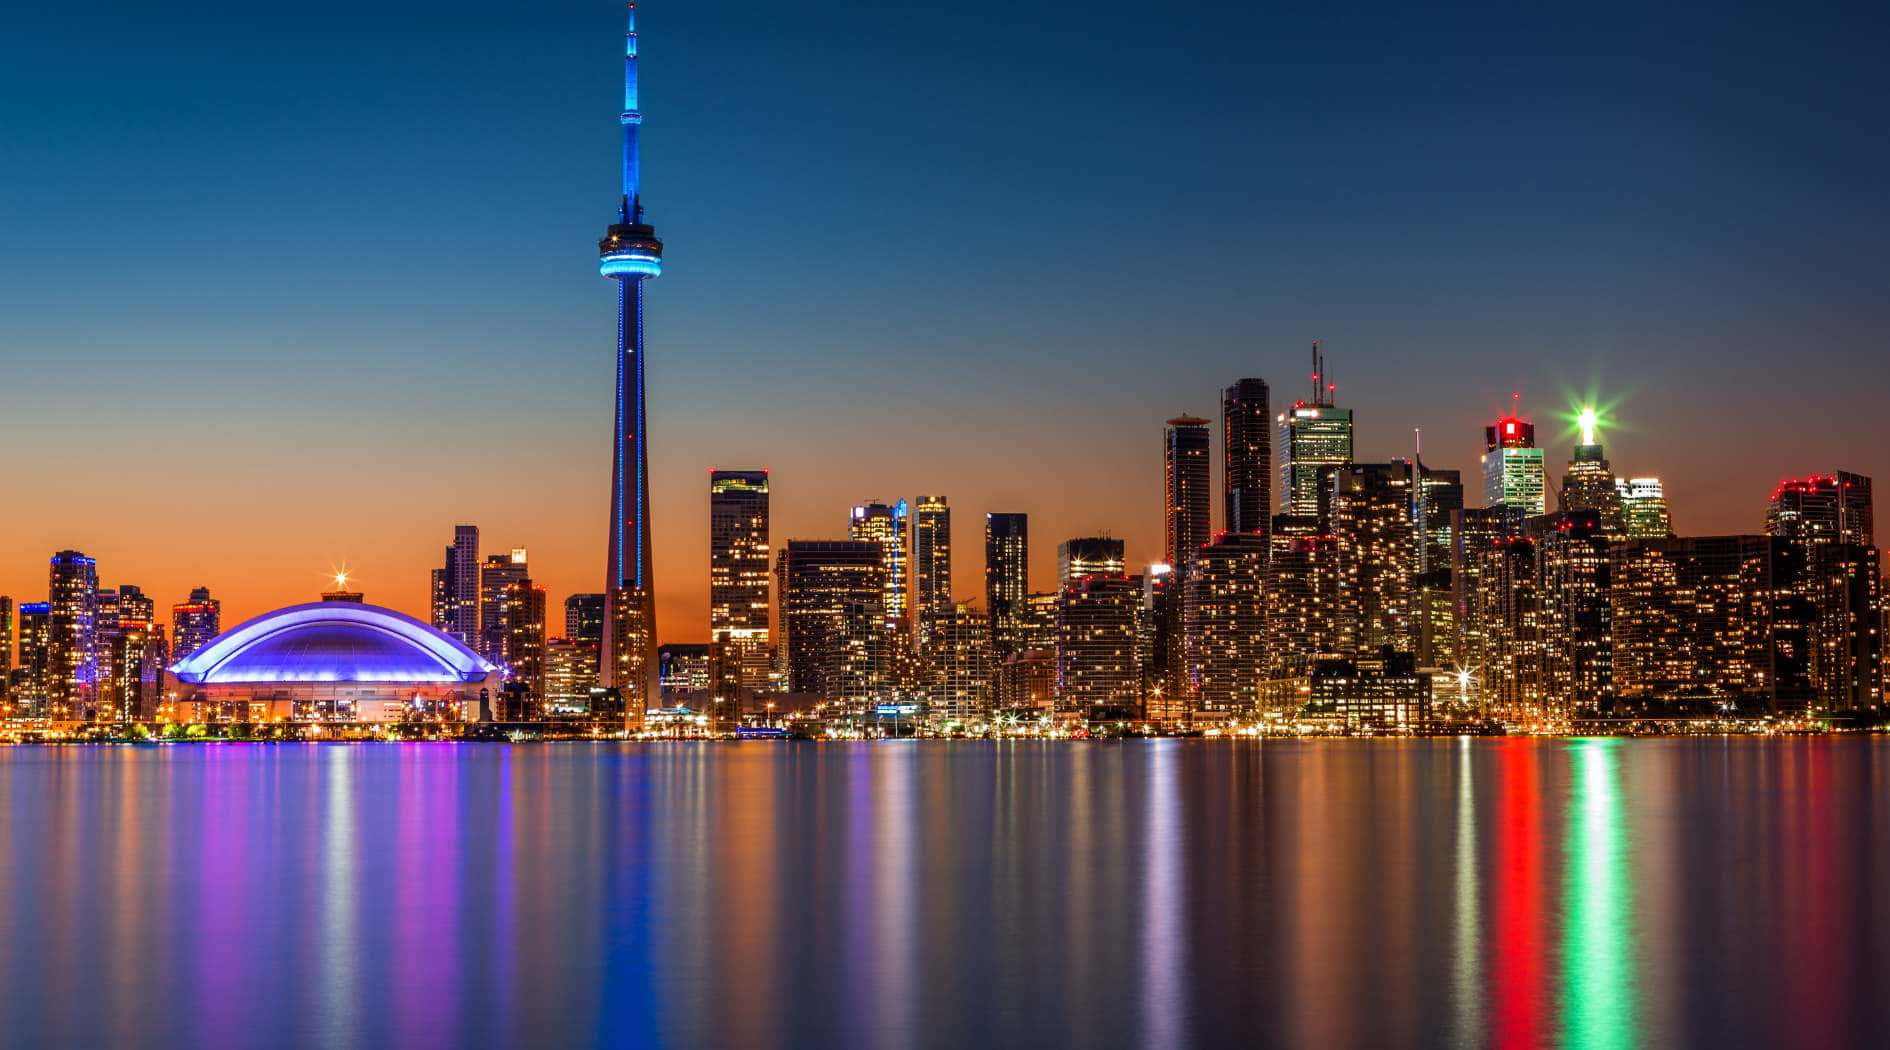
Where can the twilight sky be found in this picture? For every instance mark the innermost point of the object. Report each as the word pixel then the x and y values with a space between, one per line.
pixel 286 286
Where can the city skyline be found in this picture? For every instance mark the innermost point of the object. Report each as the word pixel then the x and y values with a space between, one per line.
pixel 299 442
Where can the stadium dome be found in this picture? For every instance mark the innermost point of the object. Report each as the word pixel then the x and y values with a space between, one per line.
pixel 332 642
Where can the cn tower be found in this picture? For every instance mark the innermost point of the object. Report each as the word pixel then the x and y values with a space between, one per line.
pixel 630 254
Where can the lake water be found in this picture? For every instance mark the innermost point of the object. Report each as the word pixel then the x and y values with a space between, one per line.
pixel 1601 893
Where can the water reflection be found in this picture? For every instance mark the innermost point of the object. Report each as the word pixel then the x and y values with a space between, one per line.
pixel 1593 893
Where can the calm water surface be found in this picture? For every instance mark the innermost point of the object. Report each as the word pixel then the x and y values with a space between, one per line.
pixel 1598 893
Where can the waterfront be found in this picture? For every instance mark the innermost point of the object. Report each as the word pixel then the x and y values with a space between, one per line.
pixel 1512 892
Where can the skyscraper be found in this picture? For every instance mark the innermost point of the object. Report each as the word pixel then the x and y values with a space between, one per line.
pixel 886 526
pixel 1006 579
pixel 33 696
pixel 1185 466
pixel 456 588
pixel 1315 440
pixel 1822 508
pixel 739 570
pixel 1572 581
pixel 1303 598
pixel 1096 666
pixel 524 618
pixel 1247 456
pixel 584 619
pixel 496 578
pixel 1512 466
pixel 6 656
pixel 630 254
pixel 959 654
pixel 1644 509
pixel 932 563
pixel 194 622
pixel 1087 556
pixel 1590 483
pixel 72 646
pixel 1224 622
pixel 833 621
pixel 1371 508
pixel 1434 495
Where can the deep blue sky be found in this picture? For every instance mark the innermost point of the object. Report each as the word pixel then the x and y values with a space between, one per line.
pixel 283 285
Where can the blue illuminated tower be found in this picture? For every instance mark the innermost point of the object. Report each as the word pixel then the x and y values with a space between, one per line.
pixel 630 254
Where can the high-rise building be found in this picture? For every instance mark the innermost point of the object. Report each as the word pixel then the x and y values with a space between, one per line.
pixel 194 622
pixel 6 656
pixel 1847 663
pixel 1644 509
pixel 1509 626
pixel 886 525
pixel 1164 703
pixel 134 690
pixel 1096 671
pixel 630 254
pixel 584 619
pixel 456 588
pixel 1224 622
pixel 1378 556
pixel 1315 440
pixel 1512 466
pixel 1247 456
pixel 932 564
pixel 1006 579
pixel 72 683
pixel 33 696
pixel 1185 445
pixel 524 617
pixel 1576 663
pixel 570 675
pixel 1303 598
pixel 833 620
pixel 1089 556
pixel 496 578
pixel 1435 494
pixel 739 571
pixel 1590 483
pixel 1027 682
pixel 958 653
pixel 1711 623
pixel 1822 508
pixel 1474 531
pixel 1040 620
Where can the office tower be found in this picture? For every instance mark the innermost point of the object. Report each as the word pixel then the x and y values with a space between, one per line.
pixel 117 612
pixel 33 696
pixel 1711 623
pixel 1096 672
pixel 1304 601
pixel 740 566
pixel 1247 456
pixel 72 672
pixel 1435 494
pixel 1847 601
pixel 630 254
pixel 1088 556
pixel 833 619
pixel 456 588
pixel 958 652
pixel 1822 508
pixel 1644 509
pixel 886 526
pixel 1040 620
pixel 1006 579
pixel 1371 517
pixel 584 619
pixel 496 578
pixel 6 656
pixel 1163 703
pixel 1185 465
pixel 931 563
pixel 1315 440
pixel 1509 624
pixel 570 675
pixel 1590 483
pixel 1576 663
pixel 1512 466
pixel 194 622
pixel 524 646
pixel 1473 531
pixel 1224 622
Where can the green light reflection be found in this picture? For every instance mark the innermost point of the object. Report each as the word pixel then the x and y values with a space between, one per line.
pixel 1598 999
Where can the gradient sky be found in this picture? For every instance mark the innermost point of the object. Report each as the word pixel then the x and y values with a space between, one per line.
pixel 286 286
